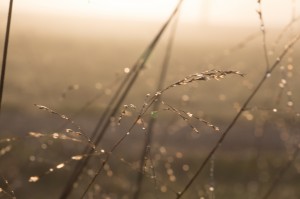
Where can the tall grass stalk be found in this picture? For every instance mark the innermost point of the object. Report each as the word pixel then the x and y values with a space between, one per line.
pixel 5 50
pixel 160 85
pixel 117 100
pixel 233 122
pixel 204 76
pixel 263 31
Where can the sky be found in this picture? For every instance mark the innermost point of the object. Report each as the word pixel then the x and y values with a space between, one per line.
pixel 212 12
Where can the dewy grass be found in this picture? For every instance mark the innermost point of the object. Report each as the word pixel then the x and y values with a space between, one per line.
pixel 244 106
pixel 152 106
pixel 7 191
pixel 204 76
pixel 146 153
pixel 120 95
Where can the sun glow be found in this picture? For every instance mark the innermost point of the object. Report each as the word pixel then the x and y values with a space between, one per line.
pixel 125 9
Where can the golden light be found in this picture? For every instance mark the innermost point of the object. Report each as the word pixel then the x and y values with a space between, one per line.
pixel 127 9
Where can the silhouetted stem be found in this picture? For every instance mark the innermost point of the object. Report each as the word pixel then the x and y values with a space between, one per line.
pixel 117 99
pixel 156 106
pixel 4 58
pixel 225 133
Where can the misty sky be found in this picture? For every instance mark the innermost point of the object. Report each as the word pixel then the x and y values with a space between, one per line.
pixel 212 12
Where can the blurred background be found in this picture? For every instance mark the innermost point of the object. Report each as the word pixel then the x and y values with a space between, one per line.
pixel 67 55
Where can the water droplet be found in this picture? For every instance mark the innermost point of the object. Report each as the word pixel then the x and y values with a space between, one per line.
pixel 289 93
pixel 33 179
pixel 55 135
pixel 290 103
pixel 274 110
pixel 268 75
pixel 162 150
pixel 44 146
pixel 179 155
pixel 51 170
pixel 102 151
pixel 281 85
pixel 185 167
pixel 32 158
pixel 59 166
pixel 290 67
pixel 185 98
pixel 127 133
pixel 196 130
pixel 35 134
pixel 77 157
pixel 211 188
pixel 163 189
pixel 126 70
pixel 172 178
pixel 189 114
pixel 170 171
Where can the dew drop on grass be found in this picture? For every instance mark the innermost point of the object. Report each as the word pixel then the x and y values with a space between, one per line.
pixel 162 150
pixel 179 155
pixel 163 189
pixel 185 98
pixel 172 178
pixel 290 103
pixel 185 167
pixel 195 130
pixel 59 166
pixel 189 114
pixel 127 133
pixel 268 75
pixel 126 70
pixel 35 134
pixel 55 135
pixel 274 110
pixel 102 151
pixel 290 67
pixel 211 188
pixel 1 190
pixel 44 146
pixel 32 158
pixel 33 179
pixel 77 157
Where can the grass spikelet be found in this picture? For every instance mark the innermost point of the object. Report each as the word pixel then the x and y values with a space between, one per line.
pixel 79 132
pixel 186 116
pixel 7 190
pixel 204 76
